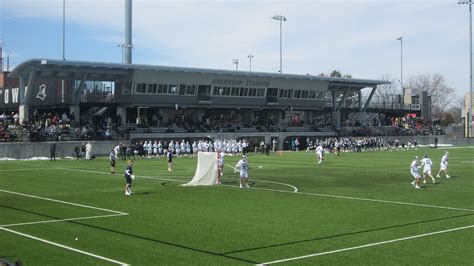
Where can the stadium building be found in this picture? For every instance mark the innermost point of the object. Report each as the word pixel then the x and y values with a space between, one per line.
pixel 163 99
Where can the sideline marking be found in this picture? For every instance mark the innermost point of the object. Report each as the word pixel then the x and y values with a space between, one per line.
pixel 64 202
pixel 64 247
pixel 63 220
pixel 303 193
pixel 367 245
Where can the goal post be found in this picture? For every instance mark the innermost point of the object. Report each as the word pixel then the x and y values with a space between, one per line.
pixel 206 170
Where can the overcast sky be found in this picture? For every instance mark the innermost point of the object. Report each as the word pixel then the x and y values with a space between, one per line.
pixel 353 36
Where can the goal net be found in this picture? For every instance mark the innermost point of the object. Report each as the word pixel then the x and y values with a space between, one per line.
pixel 206 170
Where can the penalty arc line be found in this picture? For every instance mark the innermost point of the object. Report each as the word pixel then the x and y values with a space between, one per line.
pixel 63 246
pixel 367 245
pixel 295 189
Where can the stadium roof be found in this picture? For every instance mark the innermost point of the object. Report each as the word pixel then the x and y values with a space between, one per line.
pixel 70 69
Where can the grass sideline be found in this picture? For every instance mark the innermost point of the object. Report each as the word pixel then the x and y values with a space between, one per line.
pixel 357 209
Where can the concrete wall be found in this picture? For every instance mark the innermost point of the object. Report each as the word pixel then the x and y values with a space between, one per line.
pixel 24 150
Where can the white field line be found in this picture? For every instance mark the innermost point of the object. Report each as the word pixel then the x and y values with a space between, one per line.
pixel 295 189
pixel 28 169
pixel 64 202
pixel 307 193
pixel 64 247
pixel 63 220
pixel 367 245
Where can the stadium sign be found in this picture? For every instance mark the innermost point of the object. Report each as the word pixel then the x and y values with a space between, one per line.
pixel 236 82
pixel 9 95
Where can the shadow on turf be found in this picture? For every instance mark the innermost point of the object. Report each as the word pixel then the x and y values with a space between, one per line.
pixel 135 236
pixel 345 234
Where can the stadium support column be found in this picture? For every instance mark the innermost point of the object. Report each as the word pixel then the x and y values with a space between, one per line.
pixel 122 112
pixel 335 114
pixel 23 108
pixel 362 116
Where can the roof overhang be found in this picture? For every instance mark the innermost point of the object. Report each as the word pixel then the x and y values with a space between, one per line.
pixel 70 69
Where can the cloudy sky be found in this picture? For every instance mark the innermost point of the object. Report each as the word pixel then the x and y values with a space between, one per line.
pixel 354 36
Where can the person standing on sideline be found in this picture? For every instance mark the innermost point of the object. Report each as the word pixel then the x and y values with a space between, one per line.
pixel 112 157
pixel 220 166
pixel 427 163
pixel 320 153
pixel 444 166
pixel 52 151
pixel 88 151
pixel 129 176
pixel 243 167
pixel 169 156
pixel 415 173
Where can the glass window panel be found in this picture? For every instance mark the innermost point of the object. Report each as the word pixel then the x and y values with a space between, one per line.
pixel 244 91
pixel 173 89
pixel 260 92
pixel 252 92
pixel 304 94
pixel 182 89
pixel 235 91
pixel 191 90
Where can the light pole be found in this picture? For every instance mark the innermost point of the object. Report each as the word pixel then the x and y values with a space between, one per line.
pixel 281 19
pixel 236 62
pixel 469 118
pixel 401 70
pixel 250 61
pixel 123 46
pixel 64 47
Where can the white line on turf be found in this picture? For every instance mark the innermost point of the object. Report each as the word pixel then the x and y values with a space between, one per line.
pixel 64 247
pixel 295 189
pixel 367 245
pixel 27 169
pixel 309 194
pixel 64 202
pixel 63 220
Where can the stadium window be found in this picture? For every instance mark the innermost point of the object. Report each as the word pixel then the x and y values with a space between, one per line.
pixel 260 92
pixel 235 91
pixel 151 88
pixel 290 93
pixel 297 94
pixel 244 91
pixel 252 92
pixel 191 90
pixel 216 90
pixel 283 93
pixel 226 91
pixel 141 87
pixel 320 95
pixel 182 89
pixel 173 89
pixel 312 94
pixel 304 94
pixel 162 88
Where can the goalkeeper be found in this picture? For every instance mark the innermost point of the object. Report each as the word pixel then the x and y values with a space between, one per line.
pixel 129 176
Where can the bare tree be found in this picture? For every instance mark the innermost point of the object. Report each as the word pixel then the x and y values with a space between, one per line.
pixel 442 96
pixel 385 92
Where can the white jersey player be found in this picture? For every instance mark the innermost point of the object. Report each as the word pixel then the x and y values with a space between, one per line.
pixel 243 167
pixel 443 166
pixel 426 163
pixel 415 172
pixel 320 153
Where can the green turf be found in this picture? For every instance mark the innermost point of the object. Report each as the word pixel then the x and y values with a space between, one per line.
pixel 351 200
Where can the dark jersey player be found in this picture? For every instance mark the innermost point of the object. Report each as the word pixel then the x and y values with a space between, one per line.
pixel 128 178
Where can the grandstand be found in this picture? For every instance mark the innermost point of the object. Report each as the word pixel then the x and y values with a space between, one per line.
pixel 104 101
